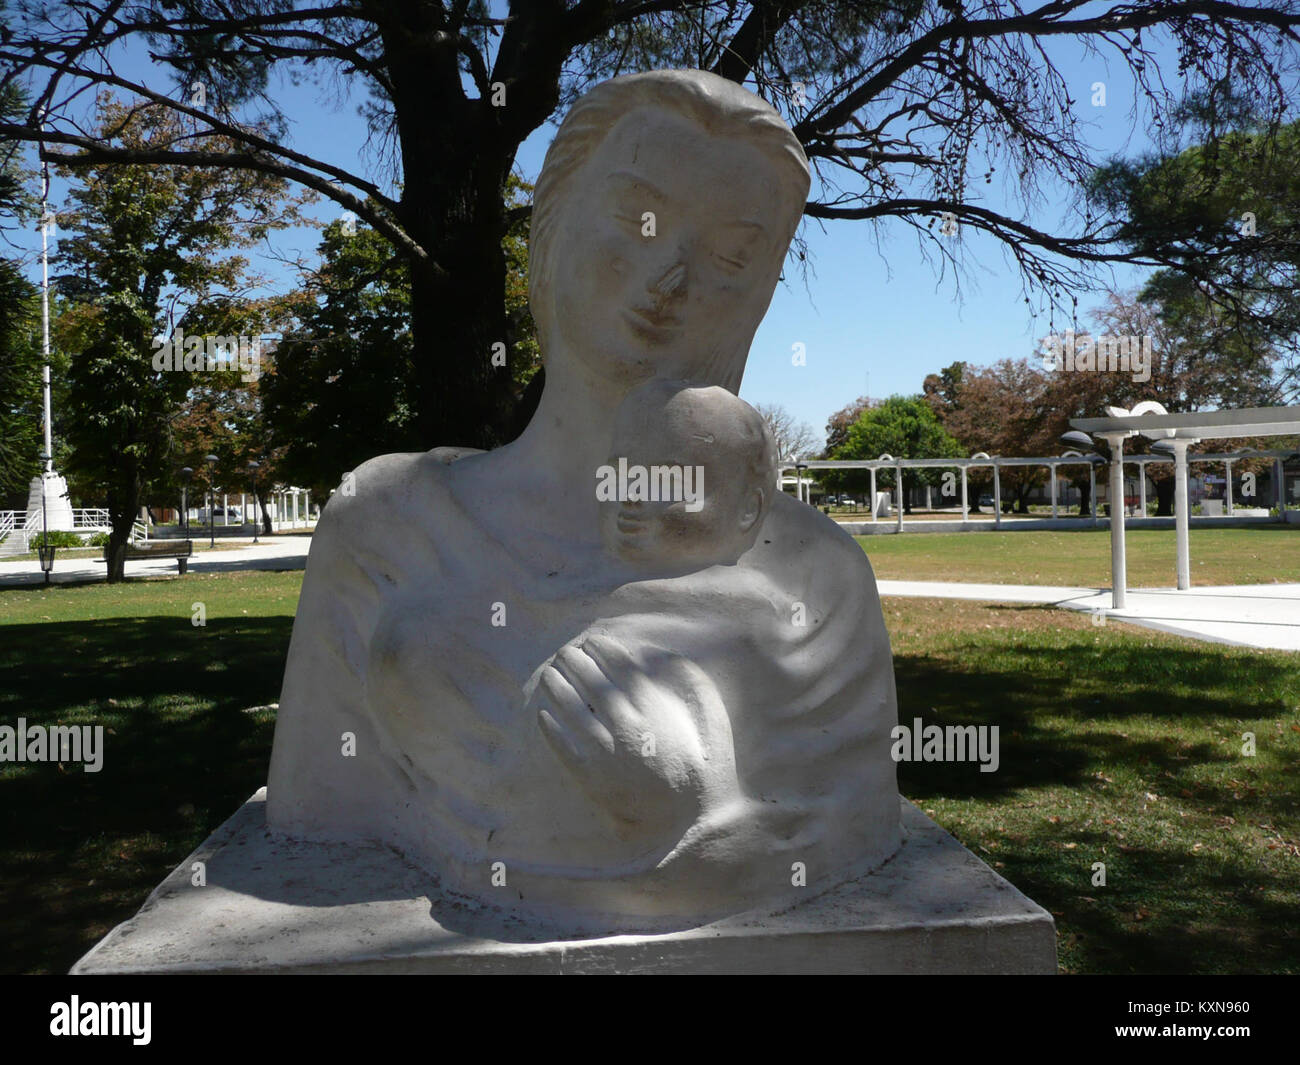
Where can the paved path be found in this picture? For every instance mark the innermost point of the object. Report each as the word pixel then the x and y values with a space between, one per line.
pixel 1254 615
pixel 274 553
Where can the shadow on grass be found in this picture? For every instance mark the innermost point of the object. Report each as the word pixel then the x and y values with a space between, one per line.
pixel 179 757
pixel 1085 730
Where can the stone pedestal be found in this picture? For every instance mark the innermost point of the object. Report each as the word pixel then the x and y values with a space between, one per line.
pixel 271 905
pixel 58 506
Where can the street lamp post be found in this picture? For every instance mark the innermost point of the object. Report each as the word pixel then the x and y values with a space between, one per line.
pixel 211 460
pixel 186 473
pixel 254 466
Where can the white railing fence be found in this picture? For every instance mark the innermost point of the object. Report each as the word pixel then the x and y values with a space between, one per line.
pixel 19 528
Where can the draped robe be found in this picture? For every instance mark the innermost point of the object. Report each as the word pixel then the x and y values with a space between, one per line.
pixel 421 633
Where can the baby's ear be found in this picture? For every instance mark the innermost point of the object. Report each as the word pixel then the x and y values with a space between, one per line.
pixel 752 509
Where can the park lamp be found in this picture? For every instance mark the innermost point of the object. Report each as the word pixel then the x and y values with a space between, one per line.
pixel 45 552
pixel 1079 440
pixel 212 461
pixel 186 473
pixel 253 467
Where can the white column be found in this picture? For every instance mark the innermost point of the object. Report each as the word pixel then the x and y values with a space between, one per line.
pixel 1052 466
pixel 243 509
pixel 1227 487
pixel 1142 489
pixel 927 495
pixel 964 511
pixel 1092 491
pixel 898 488
pixel 997 497
pixel 1279 478
pixel 225 509
pixel 1118 563
pixel 872 505
pixel 1181 513
pixel 307 503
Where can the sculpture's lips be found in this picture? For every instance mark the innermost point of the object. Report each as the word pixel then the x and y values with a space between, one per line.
pixel 652 325
pixel 630 523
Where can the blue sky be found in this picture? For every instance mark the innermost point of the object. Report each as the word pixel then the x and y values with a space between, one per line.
pixel 874 317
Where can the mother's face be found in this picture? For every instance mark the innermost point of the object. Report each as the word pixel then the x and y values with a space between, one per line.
pixel 668 249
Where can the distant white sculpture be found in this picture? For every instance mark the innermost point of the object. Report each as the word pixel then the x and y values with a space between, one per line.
pixel 570 682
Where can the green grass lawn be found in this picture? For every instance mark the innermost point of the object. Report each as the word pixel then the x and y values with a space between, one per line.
pixel 1118 745
pixel 82 850
pixel 1260 555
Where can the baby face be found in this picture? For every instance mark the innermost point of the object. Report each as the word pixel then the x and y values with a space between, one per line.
pixel 685 498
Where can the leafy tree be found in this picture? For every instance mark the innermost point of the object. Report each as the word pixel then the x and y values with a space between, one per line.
pixel 20 386
pixel 1222 216
pixel 20 365
pixel 140 240
pixel 838 424
pixel 906 108
pixel 902 426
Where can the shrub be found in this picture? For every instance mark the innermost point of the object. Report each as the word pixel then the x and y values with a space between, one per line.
pixel 99 539
pixel 58 538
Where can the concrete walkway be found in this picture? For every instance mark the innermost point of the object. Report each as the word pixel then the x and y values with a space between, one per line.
pixel 272 553
pixel 1256 615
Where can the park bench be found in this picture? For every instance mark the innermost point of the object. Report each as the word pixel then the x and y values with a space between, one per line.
pixel 181 550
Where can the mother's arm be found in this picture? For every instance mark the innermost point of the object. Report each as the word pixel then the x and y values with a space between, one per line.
pixel 326 761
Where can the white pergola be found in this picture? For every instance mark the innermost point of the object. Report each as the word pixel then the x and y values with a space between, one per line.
pixel 980 458
pixel 1180 431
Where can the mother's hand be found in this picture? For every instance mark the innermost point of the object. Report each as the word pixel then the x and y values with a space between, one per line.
pixel 655 752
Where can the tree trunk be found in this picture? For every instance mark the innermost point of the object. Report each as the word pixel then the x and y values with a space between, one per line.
pixel 1085 498
pixel 455 161
pixel 1165 498
pixel 266 516
pixel 123 505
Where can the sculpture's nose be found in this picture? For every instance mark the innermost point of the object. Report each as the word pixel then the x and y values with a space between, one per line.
pixel 670 285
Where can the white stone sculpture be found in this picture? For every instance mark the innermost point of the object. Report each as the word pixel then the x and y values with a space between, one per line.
pixel 592 714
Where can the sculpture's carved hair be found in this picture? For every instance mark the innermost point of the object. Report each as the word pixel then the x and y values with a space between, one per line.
pixel 720 106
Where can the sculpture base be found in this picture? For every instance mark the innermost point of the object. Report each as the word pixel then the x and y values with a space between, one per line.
pixel 271 905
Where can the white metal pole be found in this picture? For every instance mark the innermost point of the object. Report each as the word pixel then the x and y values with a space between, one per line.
pixel 1118 563
pixel 1181 513
pixel 898 484
pixel 45 310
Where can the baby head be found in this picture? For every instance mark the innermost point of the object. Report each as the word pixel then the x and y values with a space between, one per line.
pixel 690 478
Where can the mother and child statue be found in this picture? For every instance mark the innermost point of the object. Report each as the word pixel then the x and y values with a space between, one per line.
pixel 587 699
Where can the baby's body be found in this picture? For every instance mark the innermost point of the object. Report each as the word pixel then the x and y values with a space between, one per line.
pixel 632 704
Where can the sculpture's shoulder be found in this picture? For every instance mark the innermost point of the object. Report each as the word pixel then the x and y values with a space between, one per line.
pixel 800 538
pixel 384 500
